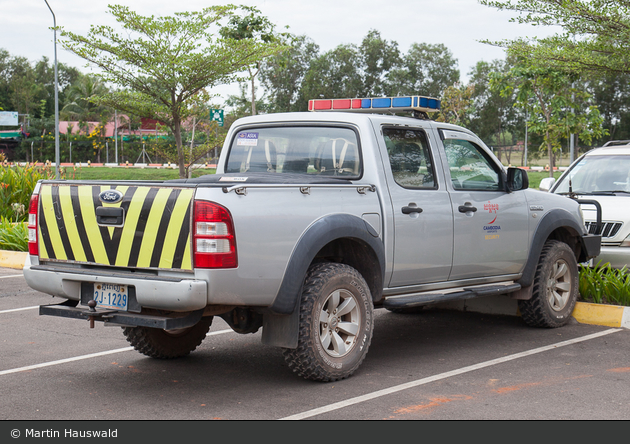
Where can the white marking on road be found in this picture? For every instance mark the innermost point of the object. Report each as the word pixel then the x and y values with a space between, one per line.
pixel 419 382
pixel 83 357
pixel 12 276
pixel 19 309
pixel 219 332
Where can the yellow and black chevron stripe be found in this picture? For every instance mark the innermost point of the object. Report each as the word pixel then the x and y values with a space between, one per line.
pixel 156 231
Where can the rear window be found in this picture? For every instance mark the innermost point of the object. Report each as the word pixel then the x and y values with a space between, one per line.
pixel 312 150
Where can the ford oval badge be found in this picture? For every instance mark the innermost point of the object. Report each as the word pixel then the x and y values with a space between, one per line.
pixel 110 196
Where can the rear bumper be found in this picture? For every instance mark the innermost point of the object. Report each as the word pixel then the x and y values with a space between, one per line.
pixel 163 293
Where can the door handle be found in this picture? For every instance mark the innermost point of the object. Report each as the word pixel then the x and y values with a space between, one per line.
pixel 409 210
pixel 467 208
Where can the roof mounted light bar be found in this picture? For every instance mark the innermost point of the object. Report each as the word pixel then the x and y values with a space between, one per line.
pixel 419 104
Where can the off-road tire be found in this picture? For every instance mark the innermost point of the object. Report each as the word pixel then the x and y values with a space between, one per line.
pixel 555 288
pixel 167 344
pixel 329 287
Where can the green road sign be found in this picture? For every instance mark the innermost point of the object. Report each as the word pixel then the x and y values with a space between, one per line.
pixel 217 115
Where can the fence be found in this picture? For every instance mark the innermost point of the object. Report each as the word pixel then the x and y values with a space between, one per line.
pixel 87 151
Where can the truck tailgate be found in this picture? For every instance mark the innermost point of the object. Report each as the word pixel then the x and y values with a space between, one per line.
pixel 155 231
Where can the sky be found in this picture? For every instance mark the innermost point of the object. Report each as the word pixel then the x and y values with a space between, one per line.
pixel 458 24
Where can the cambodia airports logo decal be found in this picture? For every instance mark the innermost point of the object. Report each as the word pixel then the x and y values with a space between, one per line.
pixel 492 230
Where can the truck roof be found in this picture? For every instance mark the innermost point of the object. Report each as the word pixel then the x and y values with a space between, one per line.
pixel 347 117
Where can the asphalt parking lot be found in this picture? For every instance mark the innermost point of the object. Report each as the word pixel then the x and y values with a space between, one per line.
pixel 437 365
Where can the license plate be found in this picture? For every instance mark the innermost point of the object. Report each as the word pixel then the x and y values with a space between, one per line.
pixel 111 296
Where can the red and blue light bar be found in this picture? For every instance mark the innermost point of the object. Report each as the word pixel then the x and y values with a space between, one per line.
pixel 378 104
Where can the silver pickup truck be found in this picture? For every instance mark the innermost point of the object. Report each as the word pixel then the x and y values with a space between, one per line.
pixel 312 221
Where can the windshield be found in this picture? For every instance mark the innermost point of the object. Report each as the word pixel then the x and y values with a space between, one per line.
pixel 313 150
pixel 596 174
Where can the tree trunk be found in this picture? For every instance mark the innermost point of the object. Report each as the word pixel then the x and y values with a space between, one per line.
pixel 550 153
pixel 177 132
pixel 252 77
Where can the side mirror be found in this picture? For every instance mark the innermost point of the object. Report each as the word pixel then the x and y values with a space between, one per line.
pixel 517 179
pixel 547 183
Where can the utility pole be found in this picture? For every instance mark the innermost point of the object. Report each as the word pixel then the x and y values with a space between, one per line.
pixel 56 96
pixel 526 128
pixel 116 135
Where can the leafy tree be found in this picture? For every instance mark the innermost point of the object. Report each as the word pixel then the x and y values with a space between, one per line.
pixel 241 105
pixel 352 71
pixel 282 75
pixel 494 115
pixel 165 65
pixel 553 103
pixel 426 69
pixel 611 92
pixel 378 57
pixel 334 74
pixel 456 104
pixel 5 78
pixel 253 26
pixel 22 87
pixel 80 100
pixel 45 80
pixel 596 33
pixel 204 139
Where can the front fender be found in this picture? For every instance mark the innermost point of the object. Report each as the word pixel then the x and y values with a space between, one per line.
pixel 550 222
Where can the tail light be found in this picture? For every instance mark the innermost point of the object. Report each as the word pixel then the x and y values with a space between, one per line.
pixel 214 242
pixel 33 247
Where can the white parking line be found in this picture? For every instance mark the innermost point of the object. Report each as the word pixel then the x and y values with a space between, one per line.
pixel 12 276
pixel 19 309
pixel 83 357
pixel 418 382
pixel 63 361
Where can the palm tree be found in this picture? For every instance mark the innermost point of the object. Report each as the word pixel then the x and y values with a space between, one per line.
pixel 79 104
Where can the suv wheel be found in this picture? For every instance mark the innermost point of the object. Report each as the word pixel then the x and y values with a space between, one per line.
pixel 555 287
pixel 167 344
pixel 335 323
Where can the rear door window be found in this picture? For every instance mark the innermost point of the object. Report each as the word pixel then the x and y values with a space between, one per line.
pixel 409 158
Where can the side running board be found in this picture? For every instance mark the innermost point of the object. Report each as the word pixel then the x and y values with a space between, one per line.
pixel 417 300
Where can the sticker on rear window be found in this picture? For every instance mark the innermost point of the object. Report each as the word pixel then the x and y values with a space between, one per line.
pixel 247 139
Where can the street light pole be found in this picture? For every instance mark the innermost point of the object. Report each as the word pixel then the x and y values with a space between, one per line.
pixel 526 128
pixel 56 96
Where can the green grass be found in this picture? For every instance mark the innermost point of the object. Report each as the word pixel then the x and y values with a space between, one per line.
pixel 536 176
pixel 121 173
pixel 605 285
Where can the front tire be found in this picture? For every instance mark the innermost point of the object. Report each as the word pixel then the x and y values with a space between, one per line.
pixel 167 344
pixel 555 288
pixel 336 324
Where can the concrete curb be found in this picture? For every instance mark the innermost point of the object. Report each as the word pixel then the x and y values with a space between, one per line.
pixel 584 313
pixel 12 259
pixel 600 314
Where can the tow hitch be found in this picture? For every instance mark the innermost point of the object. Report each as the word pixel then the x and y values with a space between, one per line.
pixel 69 309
